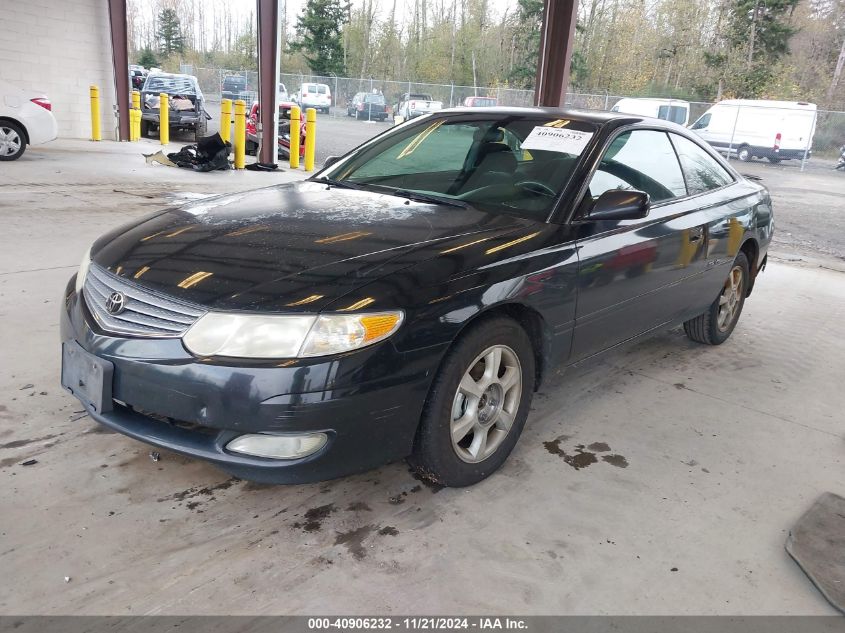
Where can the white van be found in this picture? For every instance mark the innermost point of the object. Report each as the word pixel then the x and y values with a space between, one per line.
pixel 674 110
pixel 317 96
pixel 777 130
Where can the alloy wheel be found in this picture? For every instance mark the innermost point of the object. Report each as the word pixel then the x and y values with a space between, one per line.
pixel 730 300
pixel 486 403
pixel 10 141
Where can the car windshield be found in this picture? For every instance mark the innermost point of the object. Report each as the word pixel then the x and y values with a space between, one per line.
pixel 169 84
pixel 377 99
pixel 509 163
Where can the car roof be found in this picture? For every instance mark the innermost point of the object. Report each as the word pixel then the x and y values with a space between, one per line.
pixel 598 117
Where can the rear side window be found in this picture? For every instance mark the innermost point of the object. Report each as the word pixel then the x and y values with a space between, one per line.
pixel 322 89
pixel 642 160
pixel 702 171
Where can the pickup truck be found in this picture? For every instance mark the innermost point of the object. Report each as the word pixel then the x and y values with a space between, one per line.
pixel 413 104
pixel 186 105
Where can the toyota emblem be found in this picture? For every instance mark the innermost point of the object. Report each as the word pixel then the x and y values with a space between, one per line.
pixel 116 303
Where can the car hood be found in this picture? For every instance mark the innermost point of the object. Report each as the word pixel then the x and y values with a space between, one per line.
pixel 286 248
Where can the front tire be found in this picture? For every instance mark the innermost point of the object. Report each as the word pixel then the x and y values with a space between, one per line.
pixel 715 326
pixel 477 406
pixel 12 140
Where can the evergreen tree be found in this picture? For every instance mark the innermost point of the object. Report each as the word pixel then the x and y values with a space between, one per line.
pixel 169 34
pixel 147 58
pixel 320 35
pixel 527 42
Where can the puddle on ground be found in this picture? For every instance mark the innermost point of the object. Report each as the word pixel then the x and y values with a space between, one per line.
pixel 581 457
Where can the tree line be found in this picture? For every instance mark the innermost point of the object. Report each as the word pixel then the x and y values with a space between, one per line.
pixel 695 49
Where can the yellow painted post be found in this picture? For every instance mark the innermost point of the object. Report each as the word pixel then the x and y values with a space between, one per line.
pixel 295 122
pixel 135 128
pixel 226 119
pixel 163 118
pixel 94 92
pixel 240 134
pixel 310 138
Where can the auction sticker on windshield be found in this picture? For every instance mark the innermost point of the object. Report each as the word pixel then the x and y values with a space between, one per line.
pixel 553 139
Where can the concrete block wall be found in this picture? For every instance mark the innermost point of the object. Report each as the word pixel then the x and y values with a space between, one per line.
pixel 61 47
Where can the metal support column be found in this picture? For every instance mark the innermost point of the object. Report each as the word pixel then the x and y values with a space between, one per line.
pixel 120 61
pixel 556 41
pixel 269 32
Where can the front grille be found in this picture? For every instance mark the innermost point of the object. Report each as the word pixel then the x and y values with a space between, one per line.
pixel 145 313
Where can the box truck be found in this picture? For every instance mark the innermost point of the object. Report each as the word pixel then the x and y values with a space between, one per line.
pixel 749 128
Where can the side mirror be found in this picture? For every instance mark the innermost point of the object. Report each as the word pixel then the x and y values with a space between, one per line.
pixel 330 160
pixel 620 204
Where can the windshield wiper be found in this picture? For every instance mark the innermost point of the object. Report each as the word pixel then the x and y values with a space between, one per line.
pixel 341 184
pixel 418 196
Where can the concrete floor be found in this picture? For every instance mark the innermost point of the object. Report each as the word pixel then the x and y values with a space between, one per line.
pixel 713 453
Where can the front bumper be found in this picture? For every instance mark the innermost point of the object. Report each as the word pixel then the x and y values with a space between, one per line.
pixel 368 402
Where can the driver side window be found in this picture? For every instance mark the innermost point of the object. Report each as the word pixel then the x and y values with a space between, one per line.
pixel 641 160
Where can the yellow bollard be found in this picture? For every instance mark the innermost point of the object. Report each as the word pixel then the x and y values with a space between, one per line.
pixel 310 138
pixel 295 122
pixel 226 119
pixel 135 120
pixel 163 118
pixel 94 92
pixel 240 134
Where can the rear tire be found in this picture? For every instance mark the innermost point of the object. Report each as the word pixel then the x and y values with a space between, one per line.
pixel 477 406
pixel 716 324
pixel 12 140
pixel 774 159
pixel 744 153
pixel 201 129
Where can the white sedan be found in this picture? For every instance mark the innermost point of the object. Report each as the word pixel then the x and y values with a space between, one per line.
pixel 26 118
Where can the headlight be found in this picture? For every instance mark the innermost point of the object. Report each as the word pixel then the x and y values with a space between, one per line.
pixel 287 336
pixel 83 271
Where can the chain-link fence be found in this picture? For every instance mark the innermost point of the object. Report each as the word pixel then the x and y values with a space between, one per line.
pixel 739 130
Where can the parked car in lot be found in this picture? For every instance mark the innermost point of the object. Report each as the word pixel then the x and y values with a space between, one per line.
pixel 367 106
pixel 317 96
pixel 252 139
pixel 26 118
pixel 408 299
pixel 282 92
pixel 756 128
pixel 480 102
pixel 412 105
pixel 235 87
pixel 675 110
pixel 186 104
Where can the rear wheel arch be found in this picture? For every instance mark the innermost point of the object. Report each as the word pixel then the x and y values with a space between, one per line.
pixel 9 119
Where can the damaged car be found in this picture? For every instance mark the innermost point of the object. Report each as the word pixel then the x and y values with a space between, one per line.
pixel 186 104
pixel 409 299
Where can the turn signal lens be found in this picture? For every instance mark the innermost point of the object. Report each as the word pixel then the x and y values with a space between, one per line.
pixel 379 326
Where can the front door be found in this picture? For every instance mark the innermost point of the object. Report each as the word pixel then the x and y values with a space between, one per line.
pixel 631 271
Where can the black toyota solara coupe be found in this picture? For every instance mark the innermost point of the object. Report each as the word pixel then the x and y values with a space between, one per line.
pixel 408 300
